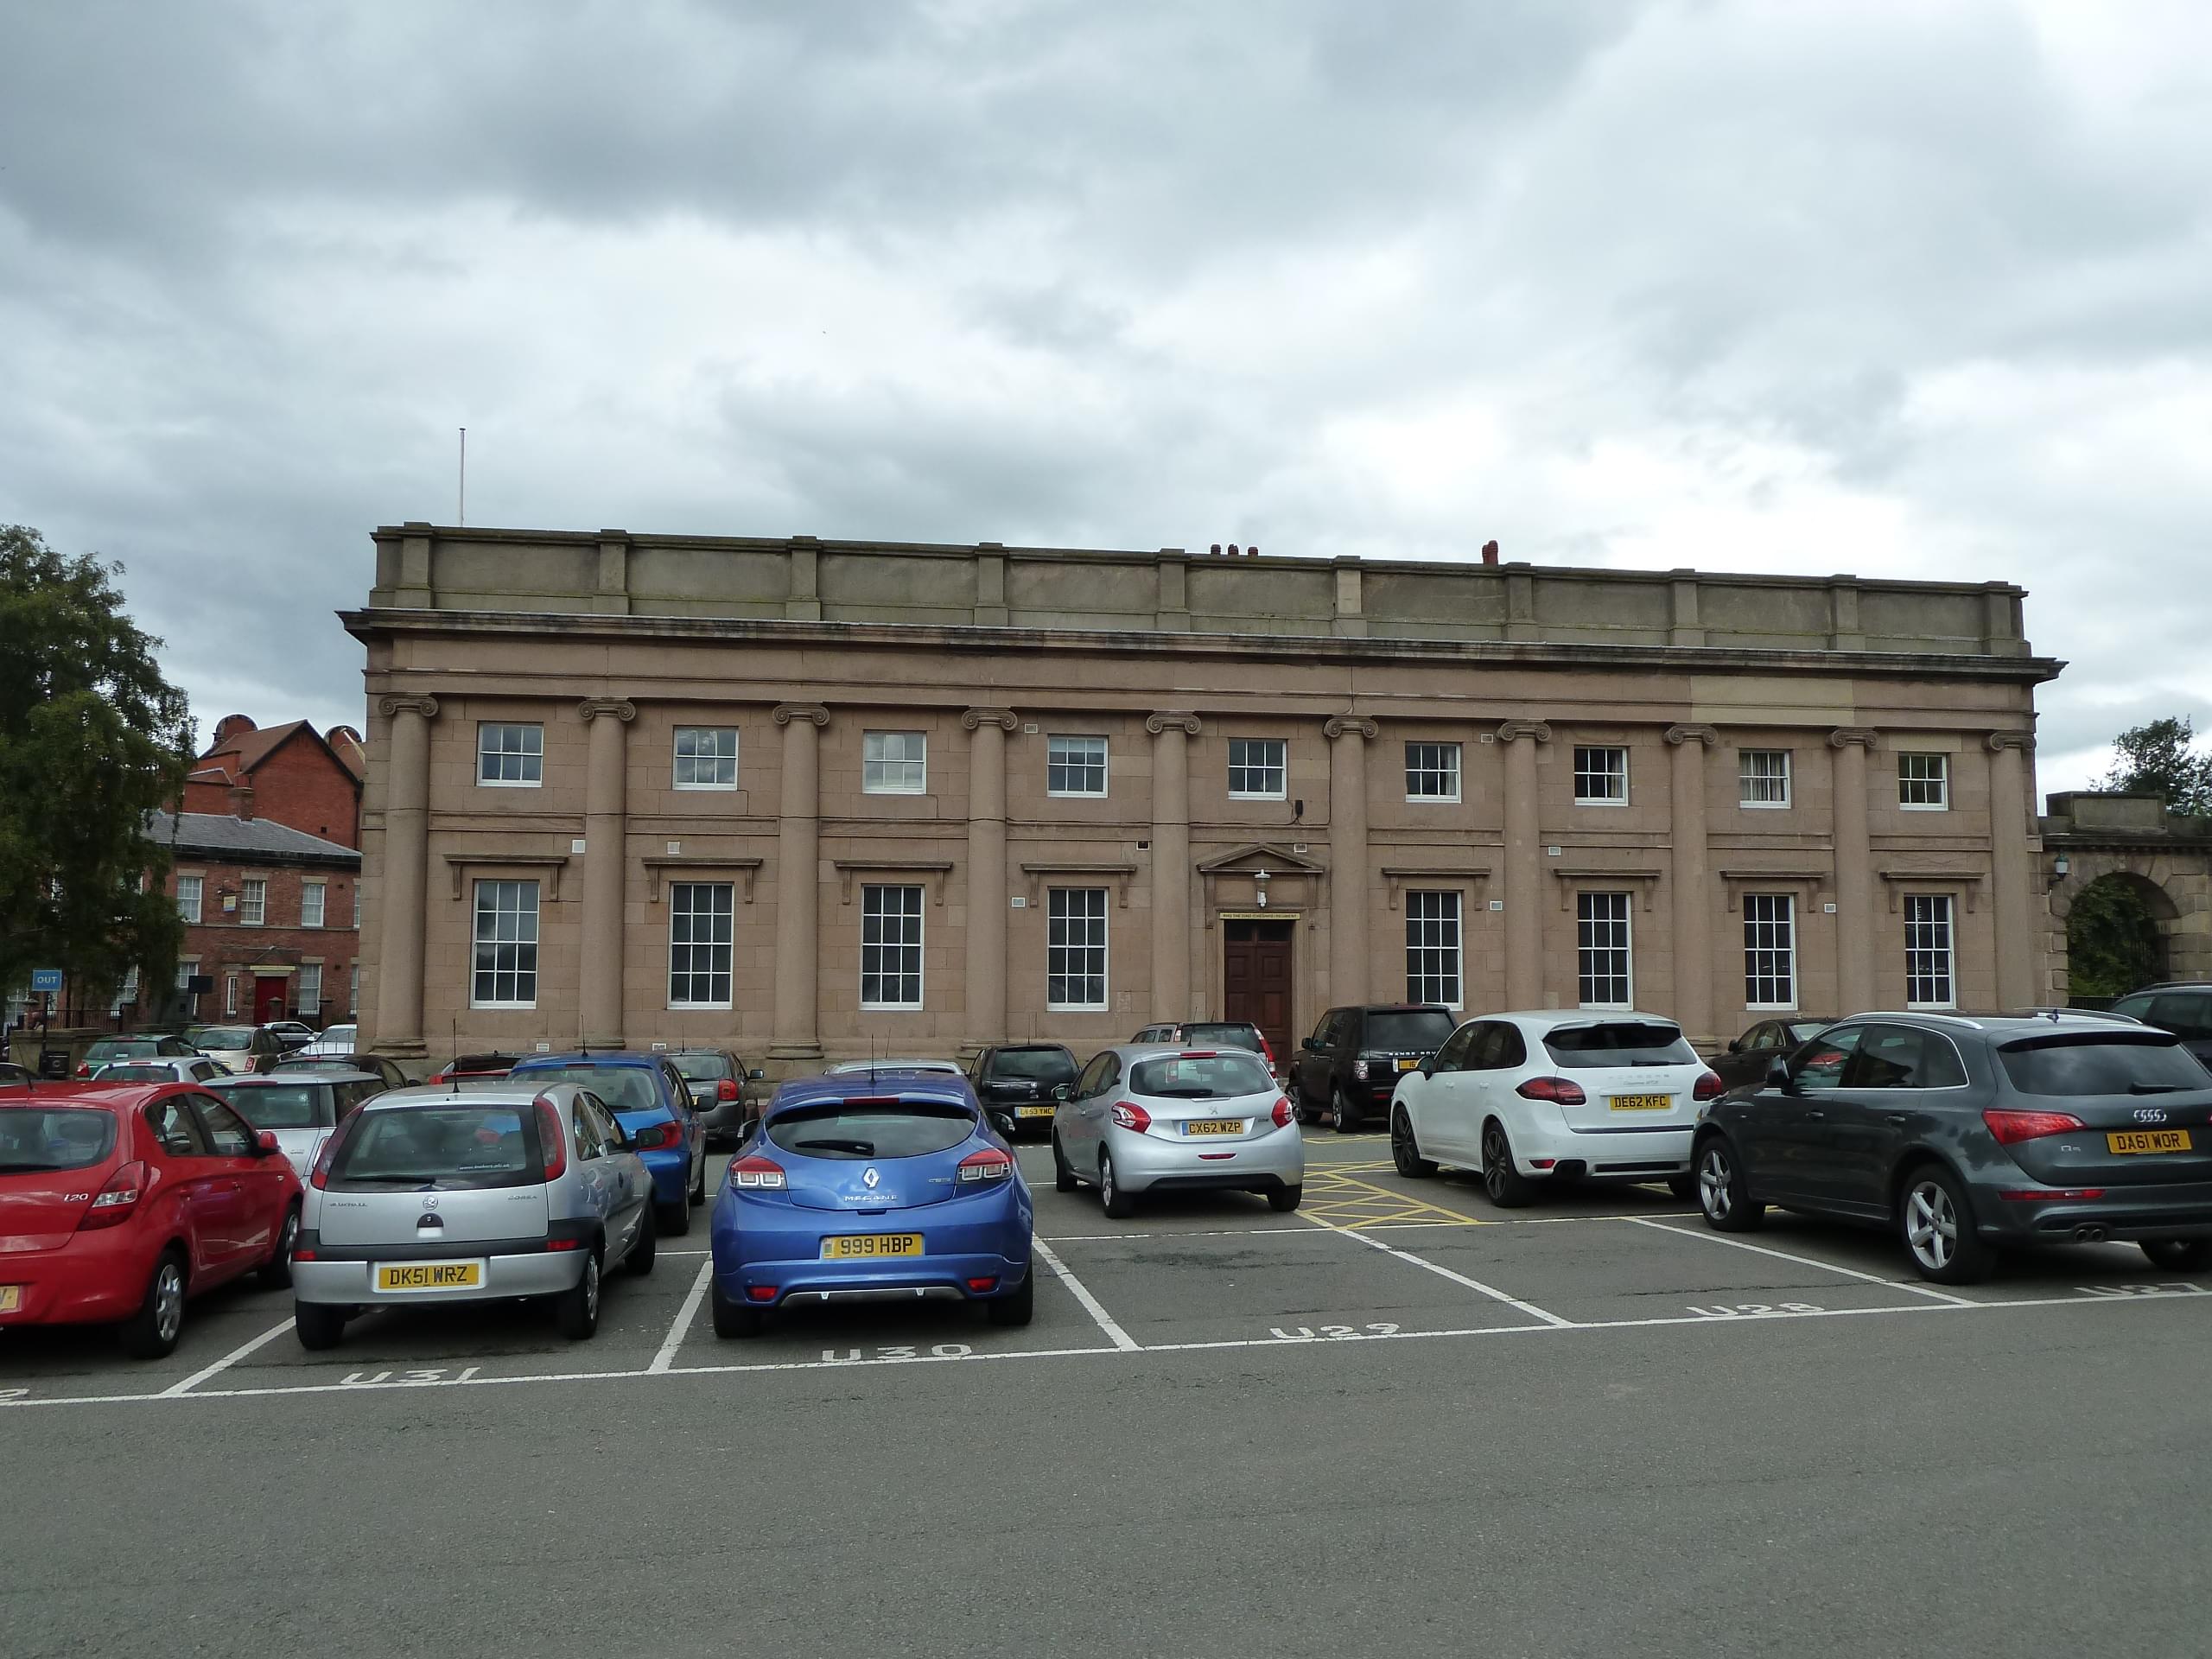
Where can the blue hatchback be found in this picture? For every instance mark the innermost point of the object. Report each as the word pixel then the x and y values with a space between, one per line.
pixel 885 1185
pixel 652 1101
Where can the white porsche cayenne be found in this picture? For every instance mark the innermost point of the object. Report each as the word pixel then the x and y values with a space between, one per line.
pixel 1563 1095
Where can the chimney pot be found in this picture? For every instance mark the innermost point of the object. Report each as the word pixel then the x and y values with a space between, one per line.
pixel 1217 547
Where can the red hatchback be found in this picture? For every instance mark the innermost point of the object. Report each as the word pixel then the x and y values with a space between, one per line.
pixel 119 1201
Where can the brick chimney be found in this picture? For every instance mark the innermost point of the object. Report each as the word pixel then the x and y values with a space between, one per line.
pixel 242 802
pixel 1489 552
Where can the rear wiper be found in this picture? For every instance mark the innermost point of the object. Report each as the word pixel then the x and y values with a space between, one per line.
pixel 858 1148
pixel 1186 1094
pixel 2154 1088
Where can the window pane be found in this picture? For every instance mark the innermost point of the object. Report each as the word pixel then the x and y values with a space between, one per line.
pixel 701 920
pixel 1601 774
pixel 706 757
pixel 253 901
pixel 311 989
pixel 1074 765
pixel 894 763
pixel 506 944
pixel 891 947
pixel 1769 951
pixel 1433 956
pixel 510 753
pixel 1602 949
pixel 1764 776
pixel 311 900
pixel 1257 767
pixel 1432 772
pixel 1075 949
pixel 1927 950
pixel 188 897
pixel 1923 781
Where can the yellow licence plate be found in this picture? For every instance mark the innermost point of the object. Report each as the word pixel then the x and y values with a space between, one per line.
pixel 430 1275
pixel 2149 1141
pixel 11 1298
pixel 848 1246
pixel 1032 1111
pixel 1408 1065
pixel 1640 1103
pixel 1214 1126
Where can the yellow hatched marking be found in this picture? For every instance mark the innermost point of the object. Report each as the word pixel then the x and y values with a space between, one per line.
pixel 1335 1199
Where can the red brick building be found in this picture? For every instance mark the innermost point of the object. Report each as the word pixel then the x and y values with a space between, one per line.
pixel 291 776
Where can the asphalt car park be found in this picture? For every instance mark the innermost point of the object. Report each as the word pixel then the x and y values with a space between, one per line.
pixel 1369 1257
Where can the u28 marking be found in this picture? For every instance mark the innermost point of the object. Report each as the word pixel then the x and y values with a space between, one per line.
pixel 1742 1310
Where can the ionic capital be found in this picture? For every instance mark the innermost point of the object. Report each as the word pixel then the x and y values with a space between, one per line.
pixel 1535 730
pixel 1002 718
pixel 1706 734
pixel 426 707
pixel 620 708
pixel 1187 724
pixel 784 713
pixel 1350 726
pixel 2023 741
pixel 1844 736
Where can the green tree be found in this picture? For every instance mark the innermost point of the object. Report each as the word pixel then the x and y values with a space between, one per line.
pixel 2160 759
pixel 2113 942
pixel 93 739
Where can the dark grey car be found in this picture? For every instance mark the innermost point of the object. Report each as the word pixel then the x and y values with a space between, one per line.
pixel 1752 1055
pixel 717 1080
pixel 1019 1079
pixel 1968 1136
pixel 2183 1009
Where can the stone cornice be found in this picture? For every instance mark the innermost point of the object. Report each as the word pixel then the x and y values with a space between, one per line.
pixel 387 623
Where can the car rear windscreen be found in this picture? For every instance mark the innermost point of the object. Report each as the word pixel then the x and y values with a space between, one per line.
pixel 446 1147
pixel 1618 1042
pixel 1036 1064
pixel 906 1128
pixel 135 1074
pixel 699 1068
pixel 121 1048
pixel 33 1138
pixel 624 1088
pixel 1214 1077
pixel 280 1106
pixel 222 1037
pixel 1409 1031
pixel 1226 1036
pixel 2101 1064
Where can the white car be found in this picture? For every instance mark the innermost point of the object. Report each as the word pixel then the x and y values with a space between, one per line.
pixel 1142 1118
pixel 166 1068
pixel 844 1068
pixel 1563 1095
pixel 334 1039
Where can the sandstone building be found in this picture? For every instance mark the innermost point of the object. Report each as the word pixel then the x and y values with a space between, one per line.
pixel 809 797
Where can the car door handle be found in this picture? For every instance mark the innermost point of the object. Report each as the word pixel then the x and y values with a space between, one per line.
pixel 1900 1117
pixel 1815 1117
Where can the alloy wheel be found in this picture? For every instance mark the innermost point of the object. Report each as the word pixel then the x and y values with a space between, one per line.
pixel 1106 1190
pixel 1494 1154
pixel 169 1301
pixel 1931 1225
pixel 591 1287
pixel 290 1237
pixel 1714 1176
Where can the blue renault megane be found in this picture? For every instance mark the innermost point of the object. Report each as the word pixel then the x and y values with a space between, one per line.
pixel 889 1184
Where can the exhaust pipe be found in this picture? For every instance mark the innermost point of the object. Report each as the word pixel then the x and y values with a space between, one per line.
pixel 2089 1235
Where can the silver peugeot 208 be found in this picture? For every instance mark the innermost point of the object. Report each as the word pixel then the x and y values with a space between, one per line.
pixel 428 1196
pixel 1149 1118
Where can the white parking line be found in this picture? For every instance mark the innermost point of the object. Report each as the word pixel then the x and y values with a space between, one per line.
pixel 1210 1232
pixel 1711 1238
pixel 1490 1291
pixel 689 1312
pixel 225 1362
pixel 1120 1339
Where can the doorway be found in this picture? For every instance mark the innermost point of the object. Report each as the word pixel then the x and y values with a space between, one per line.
pixel 267 999
pixel 1256 979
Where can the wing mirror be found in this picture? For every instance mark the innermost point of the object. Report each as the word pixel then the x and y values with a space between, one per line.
pixel 624 1141
pixel 1735 1044
pixel 755 1075
pixel 1003 1122
pixel 1313 1046
pixel 264 1143
pixel 1063 1091
pixel 1777 1076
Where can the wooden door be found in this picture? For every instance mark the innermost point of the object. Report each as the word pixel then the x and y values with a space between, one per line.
pixel 267 999
pixel 1256 980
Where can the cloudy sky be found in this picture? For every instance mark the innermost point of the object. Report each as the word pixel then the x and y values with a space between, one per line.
pixel 1917 289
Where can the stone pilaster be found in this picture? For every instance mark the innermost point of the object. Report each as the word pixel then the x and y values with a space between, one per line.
pixel 1171 863
pixel 1524 864
pixel 2011 877
pixel 406 873
pixel 796 1035
pixel 599 962
pixel 987 884
pixel 1692 883
pixel 1349 736
pixel 1855 872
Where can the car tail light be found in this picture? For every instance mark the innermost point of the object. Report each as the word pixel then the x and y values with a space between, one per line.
pixel 988 1165
pixel 552 1140
pixel 2052 1194
pixel 1130 1116
pixel 319 1173
pixel 657 1137
pixel 1281 1113
pixel 1558 1090
pixel 2010 1128
pixel 113 1203
pixel 726 1089
pixel 1709 1086
pixel 1200 1054
pixel 564 1243
pixel 85 1071
pixel 1359 1070
pixel 757 1174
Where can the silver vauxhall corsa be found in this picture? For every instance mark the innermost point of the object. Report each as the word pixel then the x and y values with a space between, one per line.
pixel 426 1195
pixel 1149 1118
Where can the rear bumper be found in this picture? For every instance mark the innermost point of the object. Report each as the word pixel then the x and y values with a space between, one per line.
pixel 93 1278
pixel 544 1273
pixel 1148 1163
pixel 808 1280
pixel 762 1243
pixel 1544 1143
pixel 2123 1214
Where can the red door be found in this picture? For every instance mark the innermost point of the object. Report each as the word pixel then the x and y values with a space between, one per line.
pixel 1256 979
pixel 268 1001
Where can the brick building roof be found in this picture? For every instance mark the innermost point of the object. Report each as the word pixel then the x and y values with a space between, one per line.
pixel 214 835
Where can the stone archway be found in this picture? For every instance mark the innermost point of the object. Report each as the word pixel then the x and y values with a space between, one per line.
pixel 2118 930
pixel 2126 868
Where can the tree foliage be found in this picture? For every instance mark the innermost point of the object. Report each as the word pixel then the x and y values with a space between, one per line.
pixel 2160 759
pixel 93 739
pixel 2113 942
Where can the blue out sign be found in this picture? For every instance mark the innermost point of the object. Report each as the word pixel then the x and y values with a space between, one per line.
pixel 46 979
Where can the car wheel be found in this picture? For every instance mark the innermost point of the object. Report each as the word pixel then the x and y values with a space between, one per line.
pixel 1062 1176
pixel 1346 1114
pixel 277 1272
pixel 1017 1308
pixel 1683 1186
pixel 734 1319
pixel 675 1219
pixel 1284 1200
pixel 1720 1192
pixel 2179 1255
pixel 1507 1187
pixel 152 1332
pixel 318 1324
pixel 1405 1150
pixel 577 1308
pixel 1301 1110
pixel 645 1247
pixel 1938 1229
pixel 1120 1206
